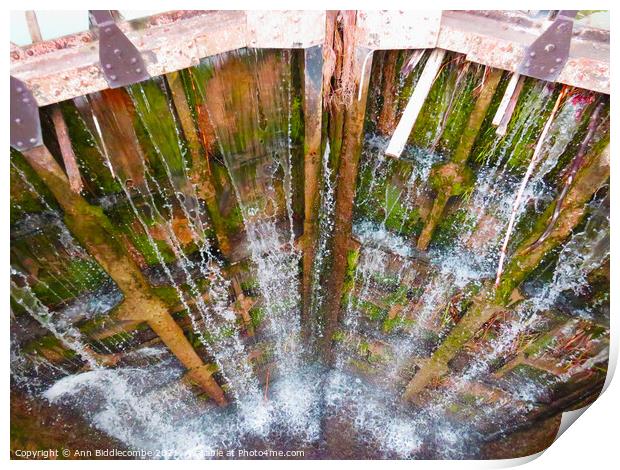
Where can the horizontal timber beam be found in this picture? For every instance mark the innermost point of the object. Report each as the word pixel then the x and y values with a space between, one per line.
pixel 499 39
pixel 67 67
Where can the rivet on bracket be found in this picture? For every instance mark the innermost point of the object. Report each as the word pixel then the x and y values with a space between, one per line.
pixel 546 57
pixel 121 62
pixel 25 121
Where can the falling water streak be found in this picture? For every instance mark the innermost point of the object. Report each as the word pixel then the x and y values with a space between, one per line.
pixel 293 395
pixel 288 168
pixel 578 257
pixel 276 269
pixel 198 238
pixel 31 189
pixel 237 373
pixel 492 188
pixel 57 274
pixel 326 226
pixel 372 413
pixel 524 181
pixel 455 268
pixel 68 335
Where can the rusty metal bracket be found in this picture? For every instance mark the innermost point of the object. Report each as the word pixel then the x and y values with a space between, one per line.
pixel 120 60
pixel 547 55
pixel 25 121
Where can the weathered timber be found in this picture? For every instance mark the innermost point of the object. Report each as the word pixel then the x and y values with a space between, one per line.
pixel 33 26
pixel 461 155
pixel 414 106
pixel 590 178
pixel 528 173
pixel 66 149
pixel 313 112
pixel 67 67
pixel 387 117
pixel 200 175
pixel 345 193
pixel 502 127
pixel 503 104
pixel 95 232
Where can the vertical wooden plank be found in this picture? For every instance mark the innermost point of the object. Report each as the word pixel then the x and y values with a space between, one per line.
pixel 414 106
pixel 345 193
pixel 313 109
pixel 389 92
pixel 33 26
pixel 62 133
pixel 66 149
pixel 508 103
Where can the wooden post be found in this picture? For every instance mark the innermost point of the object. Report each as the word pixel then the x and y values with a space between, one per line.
pixel 313 109
pixel 503 105
pixel 33 26
pixel 507 105
pixel 66 149
pixel 414 106
pixel 62 133
pixel 387 116
pixel 345 192
pixel 95 232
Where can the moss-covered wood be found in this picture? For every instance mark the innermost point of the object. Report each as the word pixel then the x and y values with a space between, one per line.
pixel 590 178
pixel 345 193
pixel 200 173
pixel 96 233
pixel 453 177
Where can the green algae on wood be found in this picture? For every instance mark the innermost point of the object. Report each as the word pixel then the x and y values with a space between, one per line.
pixel 98 178
pixel 28 192
pixel 96 233
pixel 200 173
pixel 344 198
pixel 386 183
pixel 457 173
pixel 590 178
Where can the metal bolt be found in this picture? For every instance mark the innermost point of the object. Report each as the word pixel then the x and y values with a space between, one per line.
pixel 19 89
pixel 133 60
pixel 532 54
pixel 18 120
pixel 108 66
pixel 549 47
pixel 19 143
pixel 26 100
pixel 117 51
pixel 107 30
pixel 551 70
pixel 32 140
pixel 112 77
pixel 558 60
pixel 138 70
